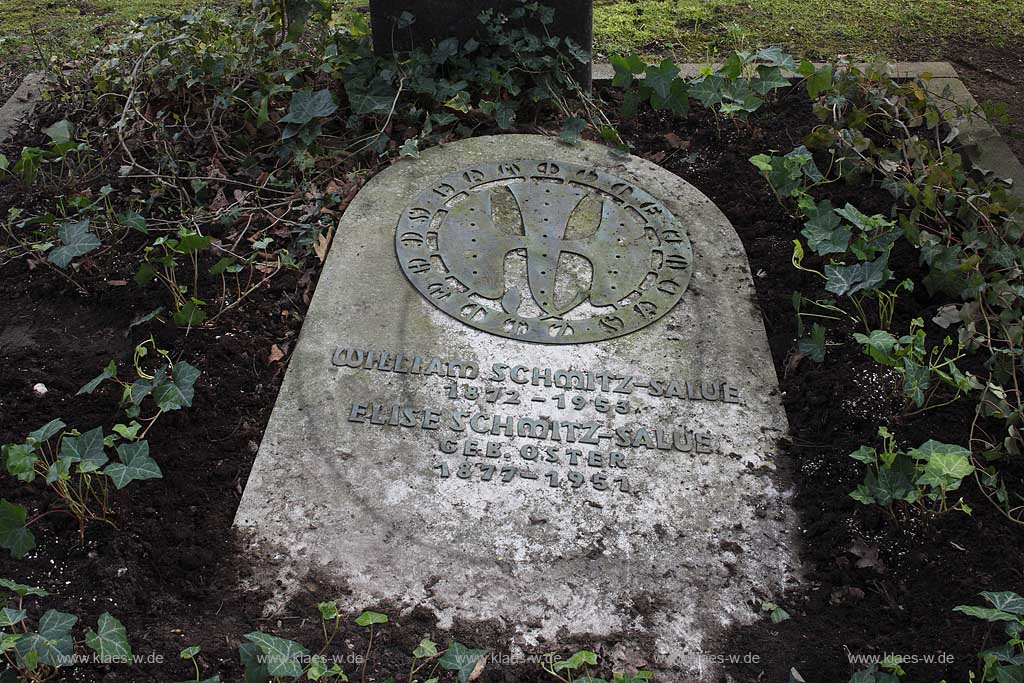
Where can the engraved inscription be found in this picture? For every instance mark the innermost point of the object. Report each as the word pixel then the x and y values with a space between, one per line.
pixel 564 447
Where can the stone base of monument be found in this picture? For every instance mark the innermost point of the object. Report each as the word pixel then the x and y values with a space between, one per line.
pixel 534 389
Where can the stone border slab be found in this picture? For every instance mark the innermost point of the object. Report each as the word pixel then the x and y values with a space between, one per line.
pixel 983 144
pixel 604 72
pixel 21 104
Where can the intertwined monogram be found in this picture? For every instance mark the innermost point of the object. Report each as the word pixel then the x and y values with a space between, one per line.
pixel 455 241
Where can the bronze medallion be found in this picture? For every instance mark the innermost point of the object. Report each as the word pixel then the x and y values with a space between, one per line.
pixel 544 251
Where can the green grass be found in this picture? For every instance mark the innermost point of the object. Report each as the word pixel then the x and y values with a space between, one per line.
pixel 694 30
pixel 36 31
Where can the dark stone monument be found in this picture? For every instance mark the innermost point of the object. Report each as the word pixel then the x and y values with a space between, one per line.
pixel 437 20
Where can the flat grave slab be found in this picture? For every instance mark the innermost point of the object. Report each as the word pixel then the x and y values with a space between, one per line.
pixel 533 388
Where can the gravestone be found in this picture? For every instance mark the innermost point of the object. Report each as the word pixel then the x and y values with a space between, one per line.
pixel 437 20
pixel 533 389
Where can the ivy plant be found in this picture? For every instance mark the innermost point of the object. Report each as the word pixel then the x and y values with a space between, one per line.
pixel 924 369
pixel 923 477
pixel 169 386
pixel 35 652
pixel 577 669
pixel 76 466
pixel 1003 663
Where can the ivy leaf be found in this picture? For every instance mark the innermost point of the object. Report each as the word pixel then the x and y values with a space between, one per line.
pixel 129 431
pixel 76 240
pixel 141 388
pixel 946 471
pixel 134 220
pixel 985 613
pixel 763 162
pixel 844 280
pixel 802 159
pixel 426 649
pixel 626 67
pixel 879 345
pixel 405 20
pixel 571 131
pixel 191 242
pixel 825 231
pixel 769 78
pixel 410 149
pixel 254 663
pixel 61 131
pixel 660 78
pixel 15 536
pixel 370 618
pixel 328 610
pixel 177 392
pixel 865 454
pixel 20 460
pixel 1006 601
pixel 145 274
pixel 55 624
pixel 581 658
pixel 280 655
pixel 464 660
pixel 946 465
pixel 862 220
pixel 631 103
pixel 775 57
pixel 91 385
pixel 445 50
pixel 876 273
pixel 814 346
pixel 376 100
pixel 459 102
pixel 109 640
pixel 916 379
pixel 55 651
pixel 21 589
pixel 46 431
pixel 708 91
pixel 135 465
pixel 87 450
pixel 678 101
pixel 504 115
pixel 10 616
pixel 60 470
pixel 191 314
pixel 891 484
pixel 307 105
pixel 223 265
pixel 819 81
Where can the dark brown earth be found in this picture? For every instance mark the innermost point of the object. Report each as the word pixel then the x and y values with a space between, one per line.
pixel 172 570
pixel 876 586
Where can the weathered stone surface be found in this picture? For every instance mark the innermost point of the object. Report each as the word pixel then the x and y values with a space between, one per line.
pixel 660 569
pixel 20 104
pixel 437 20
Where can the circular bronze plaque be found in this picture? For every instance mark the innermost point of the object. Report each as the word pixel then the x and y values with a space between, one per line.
pixel 544 251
